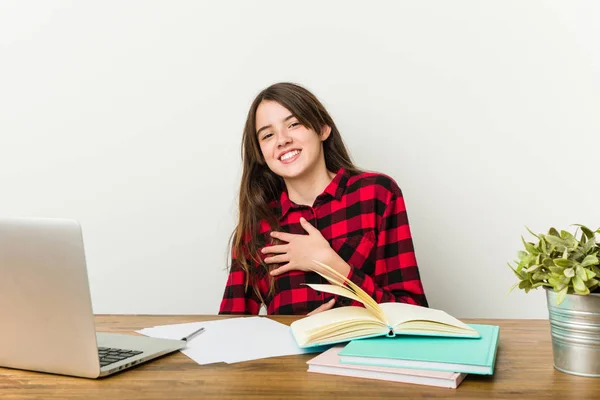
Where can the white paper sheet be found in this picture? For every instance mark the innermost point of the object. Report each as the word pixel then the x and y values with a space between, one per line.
pixel 232 340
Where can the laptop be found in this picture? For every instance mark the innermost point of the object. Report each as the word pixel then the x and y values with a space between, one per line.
pixel 46 317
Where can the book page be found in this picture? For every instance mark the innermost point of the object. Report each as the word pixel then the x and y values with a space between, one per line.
pixel 340 291
pixel 334 322
pixel 341 281
pixel 424 319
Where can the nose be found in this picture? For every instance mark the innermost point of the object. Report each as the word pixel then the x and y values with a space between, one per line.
pixel 283 138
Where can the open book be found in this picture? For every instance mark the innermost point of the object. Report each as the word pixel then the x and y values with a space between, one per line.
pixel 386 319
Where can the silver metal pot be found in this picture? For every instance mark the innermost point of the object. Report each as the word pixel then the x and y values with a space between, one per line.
pixel 575 327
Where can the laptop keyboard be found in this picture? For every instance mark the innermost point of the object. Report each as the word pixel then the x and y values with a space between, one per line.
pixel 109 355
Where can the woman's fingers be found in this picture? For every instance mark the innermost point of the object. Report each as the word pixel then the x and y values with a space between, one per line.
pixel 278 259
pixel 323 307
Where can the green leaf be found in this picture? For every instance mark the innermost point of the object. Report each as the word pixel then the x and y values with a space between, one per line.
pixel 586 231
pixel 558 282
pixel 542 245
pixel 566 235
pixel 569 272
pixel 589 245
pixel 521 254
pixel 553 281
pixel 530 247
pixel 589 260
pixel 525 285
pixel 553 232
pixel 580 271
pixel 532 232
pixel 518 274
pixel 526 262
pixel 579 286
pixel 590 274
pixel 532 268
pixel 512 288
pixel 557 242
pixel 565 279
pixel 540 276
pixel 583 239
pixel 569 239
pixel 563 262
pixel 584 250
pixel 562 294
pixel 522 265
pixel 557 270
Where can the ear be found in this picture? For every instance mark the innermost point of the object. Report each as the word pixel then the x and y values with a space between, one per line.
pixel 325 132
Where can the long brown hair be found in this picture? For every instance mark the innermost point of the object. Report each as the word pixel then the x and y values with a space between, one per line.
pixel 260 186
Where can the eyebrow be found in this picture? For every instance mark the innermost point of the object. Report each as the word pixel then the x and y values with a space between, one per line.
pixel 270 126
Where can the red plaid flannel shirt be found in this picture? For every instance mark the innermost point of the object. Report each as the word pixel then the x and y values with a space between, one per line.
pixel 363 217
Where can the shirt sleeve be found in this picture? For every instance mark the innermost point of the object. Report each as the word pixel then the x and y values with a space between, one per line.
pixel 396 275
pixel 237 298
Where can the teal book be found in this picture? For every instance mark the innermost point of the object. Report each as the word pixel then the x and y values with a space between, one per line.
pixel 471 356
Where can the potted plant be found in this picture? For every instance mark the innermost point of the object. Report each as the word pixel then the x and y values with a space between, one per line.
pixel 567 266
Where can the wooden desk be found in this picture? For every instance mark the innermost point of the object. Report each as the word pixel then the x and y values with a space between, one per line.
pixel 523 370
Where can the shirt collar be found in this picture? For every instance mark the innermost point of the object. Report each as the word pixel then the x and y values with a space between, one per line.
pixel 334 189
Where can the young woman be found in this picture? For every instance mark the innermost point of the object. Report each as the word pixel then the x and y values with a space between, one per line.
pixel 302 199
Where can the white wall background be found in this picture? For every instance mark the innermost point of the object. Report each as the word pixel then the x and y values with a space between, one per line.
pixel 127 115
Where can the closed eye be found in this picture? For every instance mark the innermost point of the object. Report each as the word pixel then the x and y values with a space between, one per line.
pixel 294 124
pixel 266 136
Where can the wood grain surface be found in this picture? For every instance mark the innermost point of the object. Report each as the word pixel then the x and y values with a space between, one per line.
pixel 524 369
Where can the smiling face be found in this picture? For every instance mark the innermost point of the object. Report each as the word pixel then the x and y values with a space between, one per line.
pixel 290 149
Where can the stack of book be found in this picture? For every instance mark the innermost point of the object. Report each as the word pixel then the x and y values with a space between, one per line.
pixel 394 341
pixel 329 363
pixel 425 360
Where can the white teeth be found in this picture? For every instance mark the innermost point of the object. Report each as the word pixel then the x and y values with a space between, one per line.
pixel 289 155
